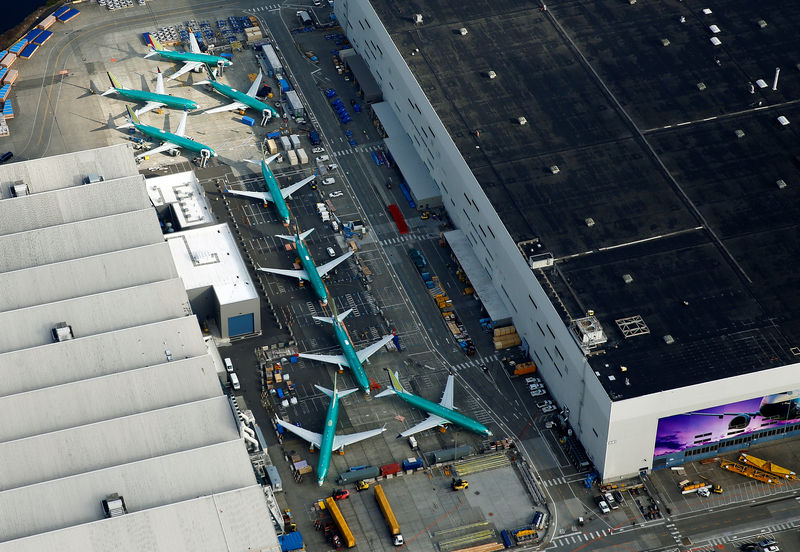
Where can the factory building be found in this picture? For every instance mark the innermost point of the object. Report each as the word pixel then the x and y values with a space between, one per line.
pixel 116 433
pixel 644 246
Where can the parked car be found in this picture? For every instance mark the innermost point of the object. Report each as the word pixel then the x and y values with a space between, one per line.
pixel 331 252
pixel 340 494
pixel 337 193
pixel 604 507
pixel 610 500
pixel 769 541
pixel 538 392
pixel 618 496
pixel 333 167
pixel 328 181
pixel 549 408
pixel 317 150
pixel 322 158
pixel 533 380
pixel 534 386
pixel 543 404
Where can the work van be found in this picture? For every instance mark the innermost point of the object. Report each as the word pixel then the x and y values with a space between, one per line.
pixel 234 379
pixel 229 365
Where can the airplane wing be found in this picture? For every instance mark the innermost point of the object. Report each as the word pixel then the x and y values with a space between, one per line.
pixel 187 66
pixel 289 190
pixel 166 146
pixel 181 131
pixel 254 87
pixel 367 352
pixel 264 196
pixel 327 267
pixel 313 438
pixel 447 396
pixel 302 274
pixel 149 106
pixel 330 359
pixel 341 441
pixel 428 423
pixel 229 107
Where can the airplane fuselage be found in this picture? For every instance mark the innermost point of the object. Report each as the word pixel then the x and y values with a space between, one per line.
pixel 208 59
pixel 275 191
pixel 352 358
pixel 238 96
pixel 185 143
pixel 311 270
pixel 169 101
pixel 438 410
pixel 326 443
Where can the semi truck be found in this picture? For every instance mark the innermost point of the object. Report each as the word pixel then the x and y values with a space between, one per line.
pixel 388 515
pixel 341 524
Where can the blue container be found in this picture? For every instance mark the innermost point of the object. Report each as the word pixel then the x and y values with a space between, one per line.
pixel 275 134
pixel 293 359
pixel 412 463
pixel 249 121
pixel 280 393
pixel 284 85
pixel 227 56
pixel 291 541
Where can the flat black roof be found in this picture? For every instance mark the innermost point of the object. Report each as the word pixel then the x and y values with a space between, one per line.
pixel 641 112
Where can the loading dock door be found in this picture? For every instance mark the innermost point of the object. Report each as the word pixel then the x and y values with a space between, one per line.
pixel 241 325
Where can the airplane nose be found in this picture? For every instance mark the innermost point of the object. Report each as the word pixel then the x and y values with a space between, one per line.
pixel 319 482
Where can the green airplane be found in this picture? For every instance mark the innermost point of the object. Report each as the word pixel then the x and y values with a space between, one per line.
pixel 153 100
pixel 192 61
pixel 171 142
pixel 310 272
pixel 438 414
pixel 328 441
pixel 241 100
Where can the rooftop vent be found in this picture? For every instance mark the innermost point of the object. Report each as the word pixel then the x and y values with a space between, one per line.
pixel 589 333
pixel 668 339
pixel 783 120
pixel 535 253
pixel 114 506
pixel 554 169
pixel 589 222
pixel 707 11
pixel 739 133
pixel 19 189
pixel 417 19
pixel 714 29
pixel 761 23
pixel 62 332
pixel 665 41
pixel 632 326
pixel 491 75
pixel 462 31
pixel 522 120
pixel 781 184
pixel 715 41
pixel 92 178
pixel 701 86
pixel 627 278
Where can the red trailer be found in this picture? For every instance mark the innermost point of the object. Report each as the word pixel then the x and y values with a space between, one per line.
pixel 399 220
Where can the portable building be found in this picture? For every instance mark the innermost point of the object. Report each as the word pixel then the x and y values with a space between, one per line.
pixel 10 75
pixel 47 22
pixel 8 60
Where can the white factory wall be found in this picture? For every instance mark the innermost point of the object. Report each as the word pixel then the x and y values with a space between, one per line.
pixel 560 360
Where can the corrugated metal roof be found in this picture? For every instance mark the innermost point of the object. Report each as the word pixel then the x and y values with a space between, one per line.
pixel 59 281
pixel 93 314
pixel 63 171
pixel 234 521
pixel 116 441
pixel 100 355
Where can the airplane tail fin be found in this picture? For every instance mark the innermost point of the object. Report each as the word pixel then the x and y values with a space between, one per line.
pixel 329 320
pixel 155 45
pixel 115 84
pixel 132 119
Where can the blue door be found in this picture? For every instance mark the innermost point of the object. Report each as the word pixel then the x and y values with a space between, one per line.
pixel 241 325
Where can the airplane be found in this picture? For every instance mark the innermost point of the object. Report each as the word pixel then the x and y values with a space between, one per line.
pixel 241 100
pixel 274 193
pixel 438 414
pixel 194 60
pixel 171 142
pixel 777 407
pixel 153 100
pixel 329 441
pixel 310 271
pixel 351 358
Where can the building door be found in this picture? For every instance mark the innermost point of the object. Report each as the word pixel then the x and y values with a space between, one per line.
pixel 241 325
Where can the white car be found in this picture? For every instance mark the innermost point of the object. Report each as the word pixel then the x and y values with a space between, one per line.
pixel 322 158
pixel 538 392
pixel 328 181
pixel 604 507
pixel 772 548
pixel 331 252
pixel 535 386
pixel 548 408
pixel 333 167
pixel 542 404
pixel 533 380
pixel 317 150
pixel 337 193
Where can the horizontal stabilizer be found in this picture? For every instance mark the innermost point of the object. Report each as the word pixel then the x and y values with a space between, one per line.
pixel 329 320
pixel 339 394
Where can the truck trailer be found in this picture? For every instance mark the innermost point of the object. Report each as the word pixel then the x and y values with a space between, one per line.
pixel 388 515
pixel 341 524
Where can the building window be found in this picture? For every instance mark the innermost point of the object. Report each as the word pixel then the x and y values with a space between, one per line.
pixel 392 87
pixel 558 352
pixel 489 228
pixel 367 22
pixel 431 130
pixel 559 371
pixel 550 330
pixel 410 103
pixel 506 294
pixel 540 328
pixel 529 297
pixel 362 25
pixel 550 357
pixel 481 229
pixel 490 254
pixel 378 47
pixel 595 433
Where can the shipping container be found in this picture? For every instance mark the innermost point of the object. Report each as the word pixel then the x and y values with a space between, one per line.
pixel 4 91
pixel 18 46
pixel 292 157
pixel 284 84
pixel 290 542
pixel 448 454
pixel 302 156
pixel 272 58
pixel 412 463
pixel 43 37
pixel 68 15
pixel 353 475
pixel 8 110
pixel 249 121
pixel 287 145
pixel 28 51
pixel 295 140
pixel 272 147
pixel 390 469
pixel 32 34
pixel 524 368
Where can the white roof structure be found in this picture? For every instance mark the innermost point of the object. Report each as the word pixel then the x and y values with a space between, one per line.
pixel 208 257
pixel 124 398
pixel 185 195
